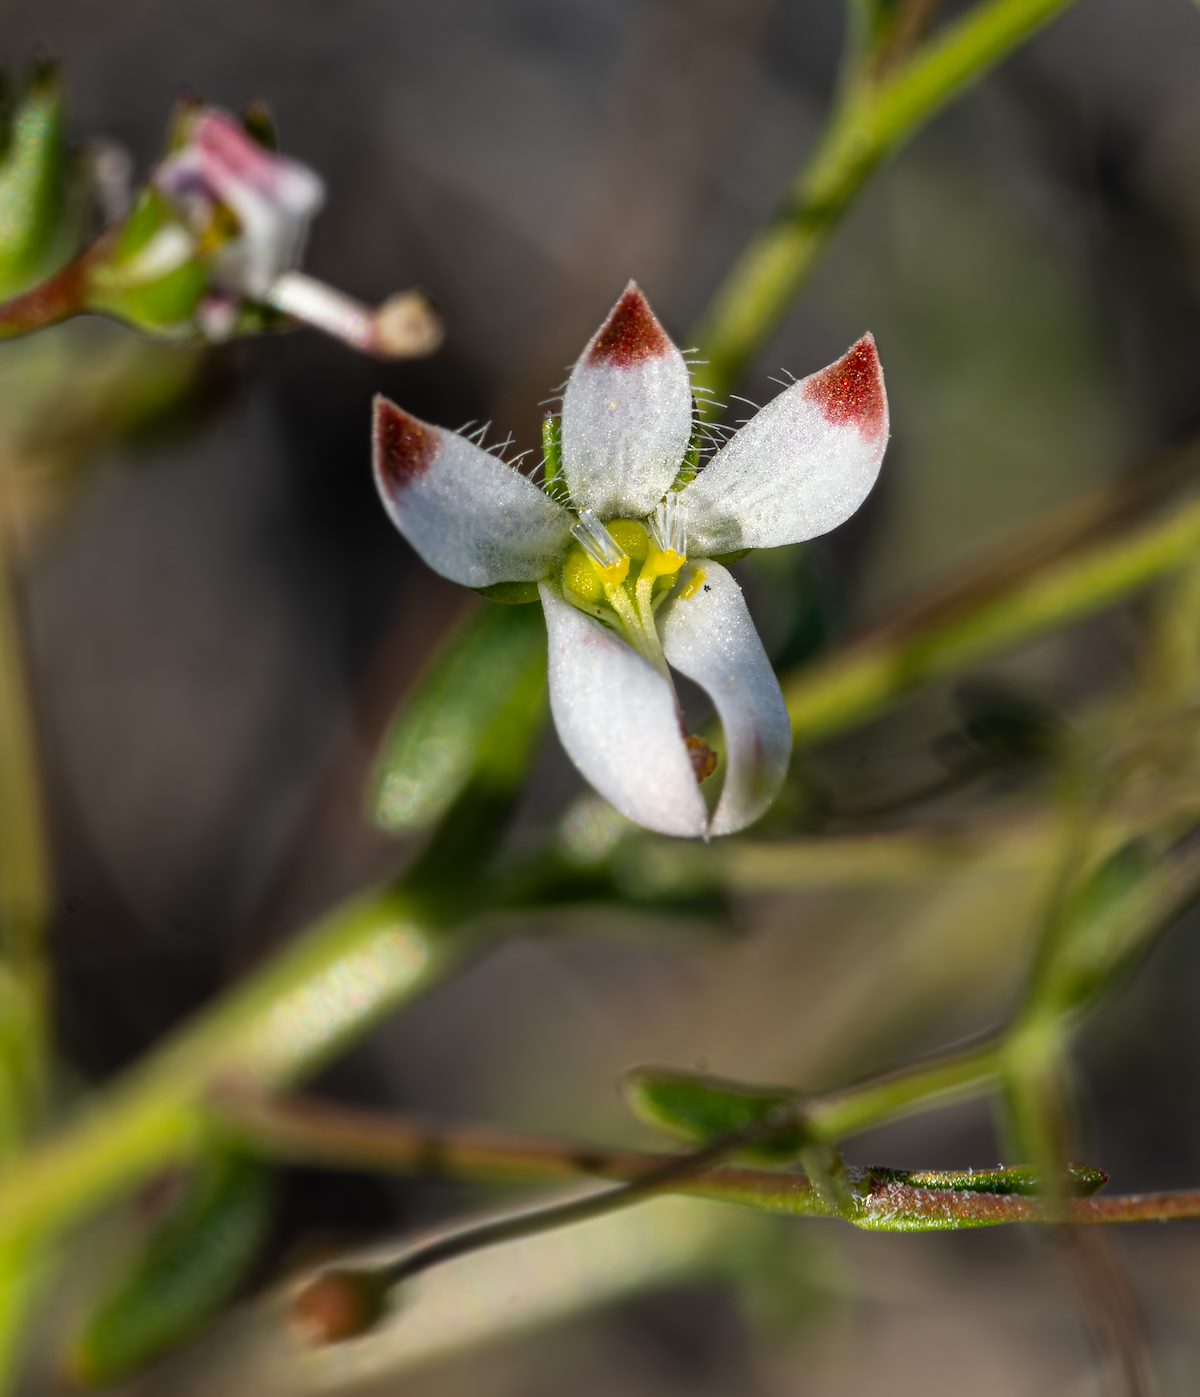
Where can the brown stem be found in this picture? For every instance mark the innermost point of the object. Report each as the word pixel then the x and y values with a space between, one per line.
pixel 313 1132
pixel 56 299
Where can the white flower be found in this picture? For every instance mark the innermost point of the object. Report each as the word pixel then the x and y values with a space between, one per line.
pixel 246 211
pixel 627 574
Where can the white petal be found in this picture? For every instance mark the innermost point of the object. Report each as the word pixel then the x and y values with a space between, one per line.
pixel 273 198
pixel 799 467
pixel 627 414
pixel 470 517
pixel 617 717
pixel 710 637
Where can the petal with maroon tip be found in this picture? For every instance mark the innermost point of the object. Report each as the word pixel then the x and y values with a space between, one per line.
pixel 627 413
pixel 472 518
pixel 801 466
pixel 710 637
pixel 618 720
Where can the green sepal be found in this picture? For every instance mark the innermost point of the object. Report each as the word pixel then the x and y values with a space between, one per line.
pixel 691 461
pixel 35 173
pixel 260 124
pixel 727 559
pixel 165 304
pixel 180 1275
pixel 462 717
pixel 701 1108
pixel 553 481
pixel 509 593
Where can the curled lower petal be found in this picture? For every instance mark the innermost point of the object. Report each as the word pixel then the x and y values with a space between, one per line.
pixel 618 720
pixel 472 518
pixel 708 635
pixel 627 413
pixel 801 466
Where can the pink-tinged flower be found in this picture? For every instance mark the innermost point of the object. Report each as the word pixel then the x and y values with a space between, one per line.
pixel 627 571
pixel 245 211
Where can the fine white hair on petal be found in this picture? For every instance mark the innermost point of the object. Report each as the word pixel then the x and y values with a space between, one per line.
pixel 471 517
pixel 618 720
pixel 710 637
pixel 800 466
pixel 626 414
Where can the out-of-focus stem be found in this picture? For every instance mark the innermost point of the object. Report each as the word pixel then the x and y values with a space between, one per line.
pixel 862 679
pixel 57 298
pixel 25 906
pixel 25 895
pixel 363 960
pixel 872 119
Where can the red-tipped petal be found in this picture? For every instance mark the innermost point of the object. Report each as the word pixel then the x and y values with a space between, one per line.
pixel 630 335
pixel 800 467
pixel 469 516
pixel 627 413
pixel 405 447
pixel 850 391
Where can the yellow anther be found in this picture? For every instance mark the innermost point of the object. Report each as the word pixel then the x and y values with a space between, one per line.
pixel 692 585
pixel 661 562
pixel 613 576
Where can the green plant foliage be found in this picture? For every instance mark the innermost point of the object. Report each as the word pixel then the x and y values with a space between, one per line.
pixel 461 717
pixel 33 179
pixel 701 1108
pixel 175 1281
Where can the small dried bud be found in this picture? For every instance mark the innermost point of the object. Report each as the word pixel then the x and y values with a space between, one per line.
pixel 339 1304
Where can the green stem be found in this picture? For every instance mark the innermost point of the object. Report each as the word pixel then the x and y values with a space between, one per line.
pixel 861 680
pixel 871 120
pixel 935 1081
pixel 358 964
pixel 25 892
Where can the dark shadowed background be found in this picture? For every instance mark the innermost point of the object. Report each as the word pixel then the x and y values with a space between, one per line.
pixel 223 619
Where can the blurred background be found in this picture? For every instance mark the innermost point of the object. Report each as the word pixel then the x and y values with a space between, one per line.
pixel 222 621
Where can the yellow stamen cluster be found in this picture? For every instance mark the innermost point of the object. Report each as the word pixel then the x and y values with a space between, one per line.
pixel 629 589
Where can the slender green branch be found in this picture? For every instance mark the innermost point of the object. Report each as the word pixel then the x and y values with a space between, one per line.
pixel 871 120
pixel 25 893
pixel 361 962
pixel 874 1199
pixel 308 1131
pixel 862 679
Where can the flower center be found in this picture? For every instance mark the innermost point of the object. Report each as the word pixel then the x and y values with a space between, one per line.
pixel 622 571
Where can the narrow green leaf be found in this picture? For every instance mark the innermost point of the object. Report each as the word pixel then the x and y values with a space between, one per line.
pixel 1082 1180
pixel 177 1280
pixel 702 1108
pixel 461 718
pixel 1105 923
pixel 33 180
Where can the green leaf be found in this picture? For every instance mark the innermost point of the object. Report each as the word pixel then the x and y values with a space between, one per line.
pixel 702 1108
pixel 175 1282
pixel 1082 1180
pixel 463 718
pixel 33 182
pixel 1105 923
